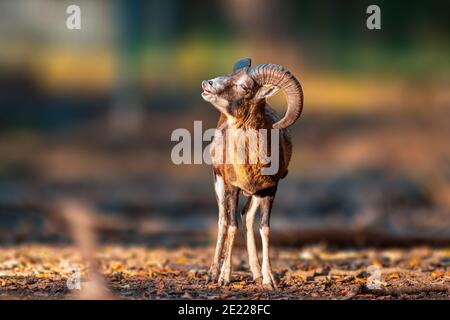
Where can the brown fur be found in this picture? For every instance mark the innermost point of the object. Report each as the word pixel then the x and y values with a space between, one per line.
pixel 241 99
pixel 248 177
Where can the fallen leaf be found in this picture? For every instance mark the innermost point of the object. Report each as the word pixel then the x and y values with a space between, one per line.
pixel 238 286
pixel 181 260
pixel 414 262
pixel 377 263
pixel 359 280
pixel 116 266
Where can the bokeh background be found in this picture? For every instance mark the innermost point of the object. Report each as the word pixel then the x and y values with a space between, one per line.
pixel 87 116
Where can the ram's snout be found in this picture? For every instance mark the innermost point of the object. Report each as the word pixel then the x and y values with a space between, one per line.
pixel 208 86
pixel 209 91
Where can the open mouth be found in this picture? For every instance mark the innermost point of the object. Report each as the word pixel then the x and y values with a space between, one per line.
pixel 206 87
pixel 206 94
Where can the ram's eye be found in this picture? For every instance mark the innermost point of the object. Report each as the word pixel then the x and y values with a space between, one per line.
pixel 244 87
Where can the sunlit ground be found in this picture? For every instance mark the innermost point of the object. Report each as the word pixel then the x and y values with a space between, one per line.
pixel 314 272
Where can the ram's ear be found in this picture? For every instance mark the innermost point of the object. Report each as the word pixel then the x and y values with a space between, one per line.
pixel 266 91
pixel 243 63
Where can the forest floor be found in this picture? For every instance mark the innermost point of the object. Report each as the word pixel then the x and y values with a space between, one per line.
pixel 378 179
pixel 40 271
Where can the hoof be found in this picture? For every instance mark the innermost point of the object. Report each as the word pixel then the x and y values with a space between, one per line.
pixel 223 282
pixel 270 282
pixel 258 280
pixel 225 276
pixel 212 276
pixel 269 287
pixel 211 279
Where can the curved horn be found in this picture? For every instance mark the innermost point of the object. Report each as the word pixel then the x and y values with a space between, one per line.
pixel 279 76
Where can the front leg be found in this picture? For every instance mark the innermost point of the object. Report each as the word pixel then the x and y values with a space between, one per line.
pixel 219 188
pixel 269 281
pixel 231 202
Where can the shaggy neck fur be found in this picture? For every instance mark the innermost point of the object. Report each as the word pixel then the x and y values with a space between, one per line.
pixel 252 116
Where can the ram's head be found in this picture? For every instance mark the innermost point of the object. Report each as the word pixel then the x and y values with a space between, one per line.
pixel 248 85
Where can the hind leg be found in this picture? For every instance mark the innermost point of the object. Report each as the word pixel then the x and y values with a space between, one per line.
pixel 269 281
pixel 249 213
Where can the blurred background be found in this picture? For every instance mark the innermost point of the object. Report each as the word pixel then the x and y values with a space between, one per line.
pixel 87 115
